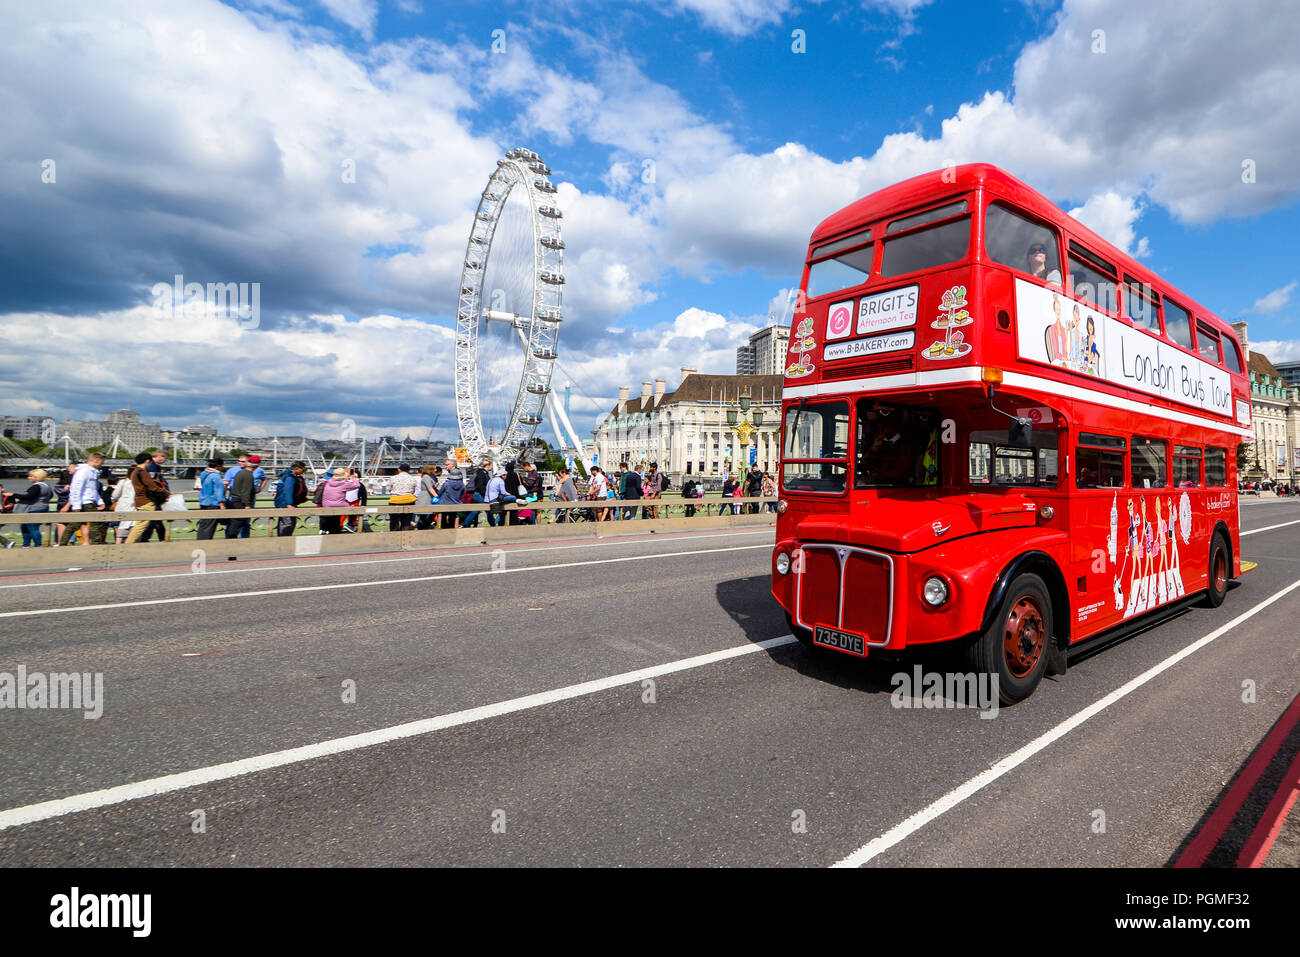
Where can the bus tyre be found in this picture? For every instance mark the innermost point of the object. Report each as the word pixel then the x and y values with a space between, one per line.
pixel 1219 565
pixel 1015 647
pixel 803 634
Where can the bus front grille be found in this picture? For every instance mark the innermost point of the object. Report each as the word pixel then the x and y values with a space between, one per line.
pixel 842 586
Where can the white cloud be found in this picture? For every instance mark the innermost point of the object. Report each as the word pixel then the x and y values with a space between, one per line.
pixel 1275 300
pixel 736 17
pixel 1112 216
pixel 358 14
pixel 1277 350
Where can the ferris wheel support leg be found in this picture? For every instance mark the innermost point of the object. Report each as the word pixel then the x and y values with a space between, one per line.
pixel 557 412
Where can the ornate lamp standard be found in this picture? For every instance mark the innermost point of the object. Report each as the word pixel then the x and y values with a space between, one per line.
pixel 740 420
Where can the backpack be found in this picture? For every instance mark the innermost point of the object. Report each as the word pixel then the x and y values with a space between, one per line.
pixel 318 497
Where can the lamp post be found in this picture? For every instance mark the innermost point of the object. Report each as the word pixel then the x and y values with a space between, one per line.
pixel 744 421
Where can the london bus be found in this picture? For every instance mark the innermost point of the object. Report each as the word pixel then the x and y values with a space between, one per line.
pixel 999 430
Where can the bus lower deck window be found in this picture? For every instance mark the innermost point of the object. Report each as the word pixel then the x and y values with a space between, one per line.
pixel 1148 466
pixel 1216 467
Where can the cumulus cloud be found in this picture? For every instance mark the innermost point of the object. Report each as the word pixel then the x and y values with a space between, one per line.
pixel 1275 300
pixel 1112 216
pixel 1278 350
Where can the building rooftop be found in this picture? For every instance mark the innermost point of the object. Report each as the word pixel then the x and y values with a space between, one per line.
pixel 703 387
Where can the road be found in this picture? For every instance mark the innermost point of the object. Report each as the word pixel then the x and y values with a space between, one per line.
pixel 488 738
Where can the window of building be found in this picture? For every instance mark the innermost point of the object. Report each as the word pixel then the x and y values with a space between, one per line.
pixel 1178 324
pixel 1207 343
pixel 1093 279
pixel 1142 306
pixel 1187 466
pixel 926 248
pixel 1216 467
pixel 1148 467
pixel 1099 461
pixel 1013 240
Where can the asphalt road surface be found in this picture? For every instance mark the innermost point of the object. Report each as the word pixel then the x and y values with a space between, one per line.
pixel 630 702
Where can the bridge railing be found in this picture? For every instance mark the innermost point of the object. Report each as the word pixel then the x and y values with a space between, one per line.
pixel 373 531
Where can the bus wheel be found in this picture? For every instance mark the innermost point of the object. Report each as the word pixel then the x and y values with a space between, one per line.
pixel 803 634
pixel 1015 646
pixel 1218 583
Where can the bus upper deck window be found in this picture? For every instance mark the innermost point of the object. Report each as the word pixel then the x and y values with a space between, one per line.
pixel 1178 324
pixel 1094 279
pixel 1013 240
pixel 1231 357
pixel 849 264
pixel 1207 342
pixel 1142 305
pixel 927 247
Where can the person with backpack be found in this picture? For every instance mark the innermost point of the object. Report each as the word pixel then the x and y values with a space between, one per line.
pixel 36 498
pixel 728 491
pixel 565 491
pixel 656 484
pixel 451 492
pixel 753 489
pixel 290 492
pixel 688 493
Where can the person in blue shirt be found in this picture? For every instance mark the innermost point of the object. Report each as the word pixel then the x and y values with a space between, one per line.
pixel 212 496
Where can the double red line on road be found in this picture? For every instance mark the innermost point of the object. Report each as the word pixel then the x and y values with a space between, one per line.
pixel 1252 782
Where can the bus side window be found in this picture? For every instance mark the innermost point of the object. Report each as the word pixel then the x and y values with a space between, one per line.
pixel 1178 324
pixel 1013 240
pixel 1142 306
pixel 1099 461
pixel 1207 341
pixel 1149 465
pixel 1094 279
pixel 1216 467
pixel 1187 466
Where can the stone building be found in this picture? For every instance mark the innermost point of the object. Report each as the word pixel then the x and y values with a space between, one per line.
pixel 686 430
pixel 1275 413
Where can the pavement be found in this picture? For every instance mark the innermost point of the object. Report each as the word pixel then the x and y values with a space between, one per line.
pixel 627 702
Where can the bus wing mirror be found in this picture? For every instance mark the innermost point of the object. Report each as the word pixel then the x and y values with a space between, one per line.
pixel 1021 434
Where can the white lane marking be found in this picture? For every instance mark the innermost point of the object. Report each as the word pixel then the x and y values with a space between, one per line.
pixel 1269 528
pixel 456 551
pixel 390 581
pixel 901 831
pixel 15 817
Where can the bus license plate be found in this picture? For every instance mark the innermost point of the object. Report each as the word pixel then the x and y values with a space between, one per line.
pixel 840 641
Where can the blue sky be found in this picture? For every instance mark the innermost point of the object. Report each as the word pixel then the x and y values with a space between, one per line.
pixel 206 139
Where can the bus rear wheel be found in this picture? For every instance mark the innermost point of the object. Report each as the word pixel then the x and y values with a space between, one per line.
pixel 1217 588
pixel 1015 647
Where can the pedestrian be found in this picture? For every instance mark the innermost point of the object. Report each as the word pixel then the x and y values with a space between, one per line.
pixel 597 486
pixel 565 491
pixel 512 489
pixel 243 486
pixel 728 491
pixel 629 489
pixel 212 497
pixel 157 459
pixel 688 493
pixel 341 491
pixel 531 483
pixel 769 491
pixel 61 489
pixel 451 492
pixel 753 489
pixel 149 496
pixel 426 494
pixel 35 498
pixel 124 501
pixel 496 493
pixel 84 496
pixel 402 491
pixel 290 492
pixel 656 482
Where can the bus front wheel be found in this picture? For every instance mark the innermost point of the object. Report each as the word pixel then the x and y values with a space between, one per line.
pixel 1015 646
pixel 1219 564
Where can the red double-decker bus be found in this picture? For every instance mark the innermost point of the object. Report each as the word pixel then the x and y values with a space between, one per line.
pixel 999 429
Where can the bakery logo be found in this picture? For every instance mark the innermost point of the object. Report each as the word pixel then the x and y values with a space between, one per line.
pixel 839 320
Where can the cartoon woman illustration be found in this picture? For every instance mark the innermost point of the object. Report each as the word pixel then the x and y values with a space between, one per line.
pixel 1175 569
pixel 1055 338
pixel 1091 352
pixel 1149 559
pixel 1134 548
pixel 1162 567
pixel 1076 351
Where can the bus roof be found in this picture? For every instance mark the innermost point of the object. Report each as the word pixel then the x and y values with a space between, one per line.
pixel 932 186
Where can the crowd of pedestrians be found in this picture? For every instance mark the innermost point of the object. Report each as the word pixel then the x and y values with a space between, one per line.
pixel 85 487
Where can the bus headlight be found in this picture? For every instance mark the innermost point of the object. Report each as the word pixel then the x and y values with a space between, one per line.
pixel 780 506
pixel 935 591
pixel 783 563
